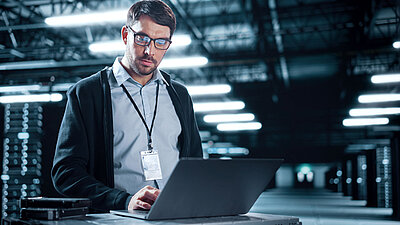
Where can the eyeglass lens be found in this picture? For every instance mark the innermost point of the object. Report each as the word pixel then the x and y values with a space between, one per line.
pixel 144 40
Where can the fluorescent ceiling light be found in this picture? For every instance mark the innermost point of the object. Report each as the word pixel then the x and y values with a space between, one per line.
pixel 180 40
pixel 113 46
pixel 371 98
pixel 228 150
pixel 358 147
pixel 216 106
pixel 116 46
pixel 27 65
pixel 19 88
pixel 209 89
pixel 54 97
pixel 396 44
pixel 87 19
pixel 218 118
pixel 365 121
pixel 183 62
pixel 43 64
pixel 385 78
pixel 61 86
pixel 239 126
pixel 374 111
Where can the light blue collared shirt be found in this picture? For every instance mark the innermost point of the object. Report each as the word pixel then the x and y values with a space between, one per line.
pixel 130 134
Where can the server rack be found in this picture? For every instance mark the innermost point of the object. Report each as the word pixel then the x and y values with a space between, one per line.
pixel 384 177
pixel 21 155
pixel 362 176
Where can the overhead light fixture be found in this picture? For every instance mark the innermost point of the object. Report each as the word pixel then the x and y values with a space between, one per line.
pixel 218 106
pixel 183 62
pixel 359 147
pixel 372 98
pixel 228 150
pixel 113 46
pixel 19 88
pixel 54 97
pixel 117 46
pixel 219 118
pixel 61 86
pixel 374 111
pixel 27 65
pixel 87 19
pixel 385 78
pixel 209 89
pixel 396 44
pixel 365 121
pixel 51 63
pixel 239 126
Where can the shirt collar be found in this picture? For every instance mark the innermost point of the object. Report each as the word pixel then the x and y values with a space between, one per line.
pixel 121 75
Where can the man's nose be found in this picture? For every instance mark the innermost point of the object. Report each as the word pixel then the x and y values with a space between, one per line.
pixel 149 49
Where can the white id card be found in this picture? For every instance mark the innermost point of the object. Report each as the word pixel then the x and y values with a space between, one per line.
pixel 151 165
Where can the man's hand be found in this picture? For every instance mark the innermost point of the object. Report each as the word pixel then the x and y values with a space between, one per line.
pixel 144 198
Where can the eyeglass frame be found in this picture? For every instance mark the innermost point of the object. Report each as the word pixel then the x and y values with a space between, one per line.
pixel 151 39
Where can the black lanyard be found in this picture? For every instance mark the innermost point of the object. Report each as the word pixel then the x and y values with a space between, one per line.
pixel 149 144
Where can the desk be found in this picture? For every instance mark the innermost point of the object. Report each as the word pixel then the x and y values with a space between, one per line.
pixel 111 219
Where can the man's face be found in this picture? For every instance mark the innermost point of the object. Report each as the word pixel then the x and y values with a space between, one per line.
pixel 143 60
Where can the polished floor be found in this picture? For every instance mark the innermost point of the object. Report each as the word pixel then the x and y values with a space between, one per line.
pixel 321 207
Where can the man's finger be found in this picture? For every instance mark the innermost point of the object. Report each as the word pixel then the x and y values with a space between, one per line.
pixel 142 205
pixel 150 195
pixel 149 187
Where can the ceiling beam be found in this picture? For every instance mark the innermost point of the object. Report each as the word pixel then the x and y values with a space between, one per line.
pixel 191 25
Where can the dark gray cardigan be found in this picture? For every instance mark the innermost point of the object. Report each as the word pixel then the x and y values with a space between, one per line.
pixel 83 161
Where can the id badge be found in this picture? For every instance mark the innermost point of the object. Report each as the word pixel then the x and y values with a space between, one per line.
pixel 151 165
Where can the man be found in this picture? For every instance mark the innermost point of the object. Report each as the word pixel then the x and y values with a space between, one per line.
pixel 125 127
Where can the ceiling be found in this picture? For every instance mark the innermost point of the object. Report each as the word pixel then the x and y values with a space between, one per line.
pixel 299 65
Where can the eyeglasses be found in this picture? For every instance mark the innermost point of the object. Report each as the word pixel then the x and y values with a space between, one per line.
pixel 144 40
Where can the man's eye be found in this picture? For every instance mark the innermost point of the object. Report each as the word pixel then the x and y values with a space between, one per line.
pixel 161 41
pixel 143 38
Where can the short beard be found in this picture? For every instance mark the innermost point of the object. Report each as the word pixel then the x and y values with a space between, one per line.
pixel 136 69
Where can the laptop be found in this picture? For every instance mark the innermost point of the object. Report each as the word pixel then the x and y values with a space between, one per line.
pixel 210 187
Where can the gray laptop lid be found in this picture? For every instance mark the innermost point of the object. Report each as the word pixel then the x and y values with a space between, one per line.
pixel 212 187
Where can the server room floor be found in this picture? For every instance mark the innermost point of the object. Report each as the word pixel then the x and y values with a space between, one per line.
pixel 321 207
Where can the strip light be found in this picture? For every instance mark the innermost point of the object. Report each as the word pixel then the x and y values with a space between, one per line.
pixel 54 97
pixel 87 19
pixel 374 111
pixel 365 121
pixel 239 126
pixel 19 88
pixel 115 46
pixel 385 78
pixel 209 89
pixel 372 98
pixel 27 65
pixel 218 118
pixel 217 106
pixel 61 86
pixel 184 62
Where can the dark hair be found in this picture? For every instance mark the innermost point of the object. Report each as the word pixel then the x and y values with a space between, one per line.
pixel 160 12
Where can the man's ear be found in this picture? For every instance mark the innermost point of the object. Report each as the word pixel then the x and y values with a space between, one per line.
pixel 124 34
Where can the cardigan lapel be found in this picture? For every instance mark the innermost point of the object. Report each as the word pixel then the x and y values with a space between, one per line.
pixel 108 126
pixel 176 101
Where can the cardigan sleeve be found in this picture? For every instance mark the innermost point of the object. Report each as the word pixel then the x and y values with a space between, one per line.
pixel 74 153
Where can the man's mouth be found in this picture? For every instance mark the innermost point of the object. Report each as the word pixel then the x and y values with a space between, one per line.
pixel 146 62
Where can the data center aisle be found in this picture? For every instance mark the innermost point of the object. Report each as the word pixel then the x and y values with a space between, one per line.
pixel 321 207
